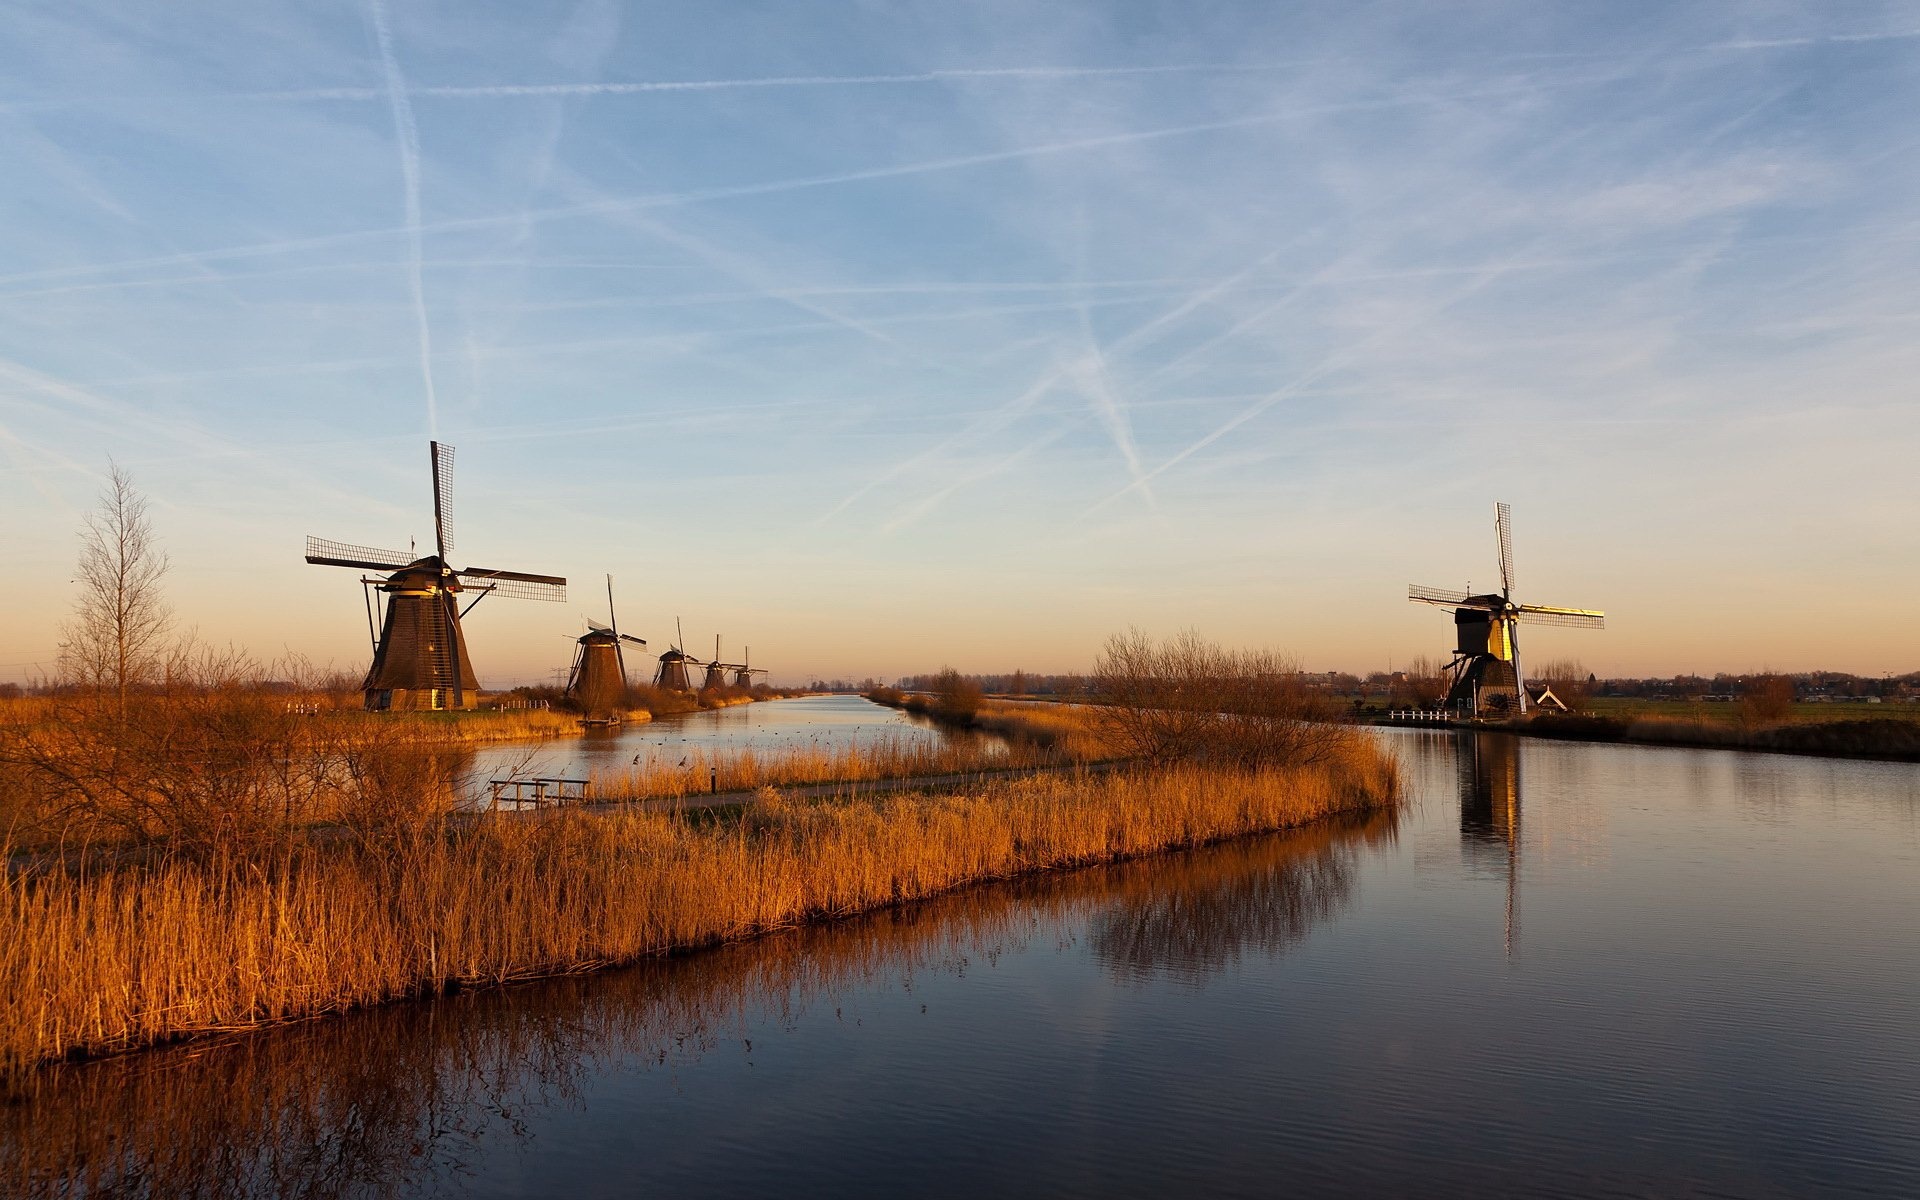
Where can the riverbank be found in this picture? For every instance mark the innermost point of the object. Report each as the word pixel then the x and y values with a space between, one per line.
pixel 1891 739
pixel 123 957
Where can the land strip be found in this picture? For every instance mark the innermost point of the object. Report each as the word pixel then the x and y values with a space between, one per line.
pixel 121 957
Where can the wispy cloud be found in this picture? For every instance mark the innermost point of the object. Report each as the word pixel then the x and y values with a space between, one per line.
pixel 407 138
pixel 918 511
pixel 952 163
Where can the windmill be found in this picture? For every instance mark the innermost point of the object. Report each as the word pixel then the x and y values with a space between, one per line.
pixel 599 679
pixel 716 670
pixel 1486 658
pixel 672 672
pixel 420 654
pixel 744 673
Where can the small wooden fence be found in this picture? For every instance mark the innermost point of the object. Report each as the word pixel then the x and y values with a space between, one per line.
pixel 539 791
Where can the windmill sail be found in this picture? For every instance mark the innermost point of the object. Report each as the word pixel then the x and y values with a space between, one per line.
pixel 420 655
pixel 1486 666
pixel 442 456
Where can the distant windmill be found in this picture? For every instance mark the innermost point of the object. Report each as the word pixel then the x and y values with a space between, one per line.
pixel 420 655
pixel 673 666
pixel 599 679
pixel 1486 660
pixel 716 670
pixel 744 673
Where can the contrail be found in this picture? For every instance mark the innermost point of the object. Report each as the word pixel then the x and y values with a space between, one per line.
pixel 1832 39
pixel 652 86
pixel 408 136
pixel 893 79
pixel 940 75
pixel 933 501
pixel 792 184
pixel 1006 414
pixel 1097 388
pixel 1331 363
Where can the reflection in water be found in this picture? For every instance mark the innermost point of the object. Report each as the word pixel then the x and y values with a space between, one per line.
pixel 806 724
pixel 1489 766
pixel 1229 901
pixel 399 1100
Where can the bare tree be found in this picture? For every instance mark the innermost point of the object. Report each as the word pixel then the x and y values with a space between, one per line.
pixel 1423 684
pixel 1568 678
pixel 115 640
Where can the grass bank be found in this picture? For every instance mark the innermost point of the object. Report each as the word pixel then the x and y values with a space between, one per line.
pixel 1886 737
pixel 123 956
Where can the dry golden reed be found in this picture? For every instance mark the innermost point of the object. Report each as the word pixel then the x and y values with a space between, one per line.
pixel 124 956
pixel 380 1101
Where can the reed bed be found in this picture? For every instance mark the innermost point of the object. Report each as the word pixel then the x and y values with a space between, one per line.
pixel 380 1101
pixel 479 726
pixel 122 956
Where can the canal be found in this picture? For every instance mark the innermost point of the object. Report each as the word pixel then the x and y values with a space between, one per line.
pixel 804 724
pixel 1566 969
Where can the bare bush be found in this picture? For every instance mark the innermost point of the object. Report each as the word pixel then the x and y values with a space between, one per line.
pixel 956 697
pixel 206 759
pixel 1423 684
pixel 1766 699
pixel 1188 698
pixel 1569 679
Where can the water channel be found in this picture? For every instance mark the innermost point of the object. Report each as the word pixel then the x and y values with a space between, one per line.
pixel 1567 969
pixel 801 724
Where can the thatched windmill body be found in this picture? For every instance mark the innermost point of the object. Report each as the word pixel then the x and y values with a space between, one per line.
pixel 1486 668
pixel 420 656
pixel 598 682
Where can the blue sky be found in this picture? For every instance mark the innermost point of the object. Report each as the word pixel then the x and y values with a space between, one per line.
pixel 879 336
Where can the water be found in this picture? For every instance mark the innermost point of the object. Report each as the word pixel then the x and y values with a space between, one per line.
pixel 1567 970
pixel 804 723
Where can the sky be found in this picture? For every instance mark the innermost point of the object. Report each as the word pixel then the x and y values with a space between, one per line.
pixel 884 336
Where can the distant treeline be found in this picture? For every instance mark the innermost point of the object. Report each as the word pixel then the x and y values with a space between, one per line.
pixel 1013 683
pixel 1807 685
pixel 1564 676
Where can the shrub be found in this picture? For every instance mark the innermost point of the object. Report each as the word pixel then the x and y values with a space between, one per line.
pixel 956 697
pixel 1187 698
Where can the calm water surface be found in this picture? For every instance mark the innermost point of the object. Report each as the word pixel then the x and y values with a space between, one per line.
pixel 1566 970
pixel 802 723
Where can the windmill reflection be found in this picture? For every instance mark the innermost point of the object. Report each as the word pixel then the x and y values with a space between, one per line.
pixel 1489 766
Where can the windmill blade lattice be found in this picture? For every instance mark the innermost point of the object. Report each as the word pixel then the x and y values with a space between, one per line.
pixel 442 455
pixel 1503 526
pixel 515 585
pixel 1569 618
pixel 344 554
